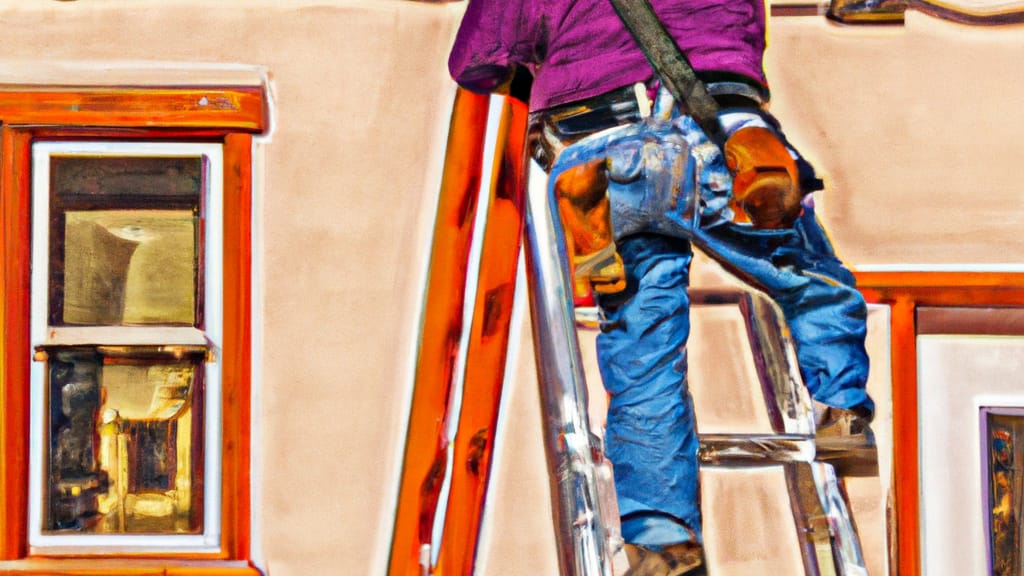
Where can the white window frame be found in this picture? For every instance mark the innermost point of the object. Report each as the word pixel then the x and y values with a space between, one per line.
pixel 41 334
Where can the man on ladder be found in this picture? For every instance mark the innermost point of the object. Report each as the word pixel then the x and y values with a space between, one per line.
pixel 612 137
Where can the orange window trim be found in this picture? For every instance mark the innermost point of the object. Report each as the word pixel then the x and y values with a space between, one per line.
pixel 228 116
pixel 124 567
pixel 904 292
pixel 236 109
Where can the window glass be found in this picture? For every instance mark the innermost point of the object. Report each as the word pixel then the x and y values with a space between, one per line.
pixel 125 449
pixel 123 240
pixel 127 242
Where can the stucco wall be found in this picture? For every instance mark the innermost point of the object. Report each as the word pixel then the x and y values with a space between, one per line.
pixel 346 187
pixel 912 126
pixel 916 128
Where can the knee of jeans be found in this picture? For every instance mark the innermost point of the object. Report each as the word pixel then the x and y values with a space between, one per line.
pixel 818 294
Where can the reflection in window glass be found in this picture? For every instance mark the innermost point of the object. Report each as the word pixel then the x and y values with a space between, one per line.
pixel 1004 431
pixel 127 237
pixel 125 267
pixel 125 442
pixel 124 233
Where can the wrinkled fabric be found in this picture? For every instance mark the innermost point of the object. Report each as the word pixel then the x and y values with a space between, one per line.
pixel 650 435
pixel 666 186
pixel 576 49
pixel 664 176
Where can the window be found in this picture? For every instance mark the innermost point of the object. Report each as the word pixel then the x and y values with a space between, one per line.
pixel 125 369
pixel 125 406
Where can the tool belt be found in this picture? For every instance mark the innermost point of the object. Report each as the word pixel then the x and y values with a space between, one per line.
pixel 554 128
pixel 583 204
pixel 582 193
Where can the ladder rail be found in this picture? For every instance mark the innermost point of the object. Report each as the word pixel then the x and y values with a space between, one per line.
pixel 572 450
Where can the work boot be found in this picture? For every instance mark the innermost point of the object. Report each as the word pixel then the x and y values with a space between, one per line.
pixel 839 429
pixel 683 559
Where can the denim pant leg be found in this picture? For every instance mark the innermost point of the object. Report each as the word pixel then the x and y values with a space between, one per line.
pixel 827 316
pixel 828 319
pixel 650 437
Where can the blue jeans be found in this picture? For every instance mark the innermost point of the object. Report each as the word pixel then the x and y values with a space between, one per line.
pixel 650 437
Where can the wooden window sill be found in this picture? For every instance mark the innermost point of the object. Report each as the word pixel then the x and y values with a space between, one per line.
pixel 125 567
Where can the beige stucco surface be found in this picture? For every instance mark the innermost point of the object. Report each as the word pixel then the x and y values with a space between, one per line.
pixel 346 185
pixel 914 128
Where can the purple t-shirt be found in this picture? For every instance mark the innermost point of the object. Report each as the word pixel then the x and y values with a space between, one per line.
pixel 576 49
